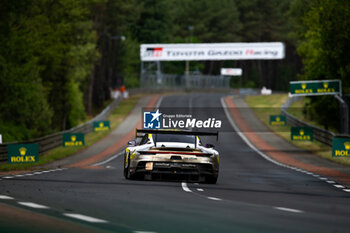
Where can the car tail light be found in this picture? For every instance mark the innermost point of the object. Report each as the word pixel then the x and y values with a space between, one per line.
pixel 149 166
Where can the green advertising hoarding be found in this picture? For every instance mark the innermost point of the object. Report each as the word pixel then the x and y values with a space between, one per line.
pixel 73 139
pixel 301 134
pixel 341 147
pixel 315 87
pixel 101 126
pixel 278 120
pixel 23 153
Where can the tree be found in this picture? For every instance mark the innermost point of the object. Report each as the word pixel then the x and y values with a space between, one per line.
pixel 45 65
pixel 323 32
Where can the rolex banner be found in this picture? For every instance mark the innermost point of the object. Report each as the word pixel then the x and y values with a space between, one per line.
pixel 278 120
pixel 101 126
pixel 315 87
pixel 341 147
pixel 73 139
pixel 301 134
pixel 23 153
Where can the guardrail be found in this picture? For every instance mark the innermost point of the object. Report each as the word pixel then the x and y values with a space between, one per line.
pixel 321 135
pixel 55 140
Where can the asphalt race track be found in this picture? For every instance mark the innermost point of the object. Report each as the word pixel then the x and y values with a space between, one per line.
pixel 252 194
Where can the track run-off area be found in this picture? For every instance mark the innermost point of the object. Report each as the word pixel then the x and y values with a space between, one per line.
pixel 254 193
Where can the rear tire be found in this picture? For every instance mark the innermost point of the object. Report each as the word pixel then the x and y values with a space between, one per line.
pixel 129 176
pixel 127 173
pixel 125 168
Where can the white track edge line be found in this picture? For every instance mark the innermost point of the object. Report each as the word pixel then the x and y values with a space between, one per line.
pixel 288 209
pixel 85 218
pixel 245 139
pixel 109 159
pixel 33 205
pixel 4 197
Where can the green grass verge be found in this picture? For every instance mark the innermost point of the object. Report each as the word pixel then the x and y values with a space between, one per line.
pixel 264 106
pixel 117 117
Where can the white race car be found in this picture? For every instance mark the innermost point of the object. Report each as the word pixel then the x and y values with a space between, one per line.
pixel 170 153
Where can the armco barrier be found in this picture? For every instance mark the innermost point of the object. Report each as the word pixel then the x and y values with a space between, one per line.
pixel 55 140
pixel 320 135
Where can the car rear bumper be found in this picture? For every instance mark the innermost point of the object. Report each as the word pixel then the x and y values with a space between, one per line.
pixel 177 168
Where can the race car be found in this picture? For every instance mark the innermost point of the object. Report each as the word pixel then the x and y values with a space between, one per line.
pixel 169 153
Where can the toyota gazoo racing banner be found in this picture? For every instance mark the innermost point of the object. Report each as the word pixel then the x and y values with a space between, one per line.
pixel 212 51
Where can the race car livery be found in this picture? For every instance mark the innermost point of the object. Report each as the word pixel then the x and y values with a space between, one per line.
pixel 169 153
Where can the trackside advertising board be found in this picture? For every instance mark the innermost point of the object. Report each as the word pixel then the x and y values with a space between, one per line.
pixel 231 71
pixel 301 134
pixel 278 120
pixel 341 147
pixel 23 153
pixel 101 126
pixel 315 87
pixel 212 51
pixel 73 139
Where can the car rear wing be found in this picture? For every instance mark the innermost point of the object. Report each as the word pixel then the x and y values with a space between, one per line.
pixel 175 132
pixel 178 132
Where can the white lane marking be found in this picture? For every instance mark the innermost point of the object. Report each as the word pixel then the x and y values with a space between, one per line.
pixel 323 178
pixel 200 190
pixel 185 188
pixel 3 197
pixel 33 205
pixel 110 167
pixel 214 198
pixel 330 182
pixel 144 231
pixel 346 190
pixel 85 218
pixel 51 170
pixel 61 169
pixel 108 160
pixel 196 184
pixel 339 186
pixel 289 209
pixel 159 102
pixel 34 173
